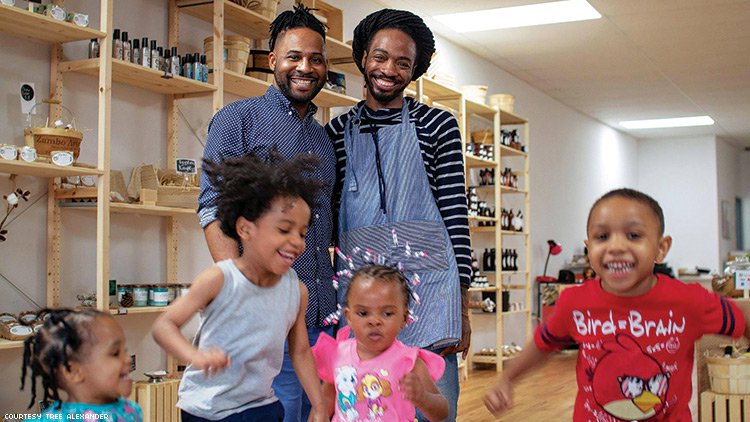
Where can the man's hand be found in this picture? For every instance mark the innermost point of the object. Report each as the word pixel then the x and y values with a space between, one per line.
pixel 463 346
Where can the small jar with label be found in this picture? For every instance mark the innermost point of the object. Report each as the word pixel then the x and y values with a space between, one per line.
pixel 158 295
pixel 172 292
pixel 183 289
pixel 140 295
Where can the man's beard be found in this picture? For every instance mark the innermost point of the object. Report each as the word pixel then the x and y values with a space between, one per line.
pixel 384 98
pixel 284 87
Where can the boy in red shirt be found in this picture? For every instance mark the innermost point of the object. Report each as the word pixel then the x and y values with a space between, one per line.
pixel 636 329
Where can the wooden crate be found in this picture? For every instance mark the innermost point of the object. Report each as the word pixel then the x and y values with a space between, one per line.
pixel 158 400
pixel 169 196
pixel 724 408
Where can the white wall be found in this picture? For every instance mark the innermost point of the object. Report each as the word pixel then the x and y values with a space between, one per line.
pixel 744 193
pixel 574 159
pixel 681 175
pixel 728 188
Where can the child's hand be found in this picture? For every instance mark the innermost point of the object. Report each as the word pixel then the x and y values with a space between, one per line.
pixel 211 361
pixel 318 414
pixel 499 398
pixel 411 388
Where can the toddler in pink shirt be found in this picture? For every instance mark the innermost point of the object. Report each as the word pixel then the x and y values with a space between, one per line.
pixel 373 376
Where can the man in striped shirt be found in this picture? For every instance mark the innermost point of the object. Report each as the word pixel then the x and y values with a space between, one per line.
pixel 400 170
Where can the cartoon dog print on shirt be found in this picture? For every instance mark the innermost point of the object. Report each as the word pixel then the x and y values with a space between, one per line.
pixel 373 389
pixel 346 385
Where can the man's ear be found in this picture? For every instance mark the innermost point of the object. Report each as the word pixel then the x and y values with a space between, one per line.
pixel 664 244
pixel 272 60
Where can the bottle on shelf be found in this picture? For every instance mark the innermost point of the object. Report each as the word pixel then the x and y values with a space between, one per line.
pixel 116 45
pixel 136 51
pixel 127 52
pixel 146 52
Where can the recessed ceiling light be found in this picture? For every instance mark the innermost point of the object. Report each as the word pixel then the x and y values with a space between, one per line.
pixel 662 123
pixel 518 16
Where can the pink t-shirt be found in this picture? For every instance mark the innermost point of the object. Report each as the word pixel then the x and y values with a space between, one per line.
pixel 368 390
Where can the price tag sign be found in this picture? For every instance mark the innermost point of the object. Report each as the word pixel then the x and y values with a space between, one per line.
pixel 742 280
pixel 186 166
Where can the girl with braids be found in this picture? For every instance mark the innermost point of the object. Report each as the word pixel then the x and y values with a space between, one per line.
pixel 251 304
pixel 400 167
pixel 373 376
pixel 82 353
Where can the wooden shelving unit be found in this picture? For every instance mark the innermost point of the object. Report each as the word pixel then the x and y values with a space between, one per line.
pixel 141 77
pixel 246 22
pixel 24 24
pixel 468 112
pixel 40 169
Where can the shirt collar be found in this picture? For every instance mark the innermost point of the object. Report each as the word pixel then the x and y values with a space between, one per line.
pixel 278 100
pixel 387 112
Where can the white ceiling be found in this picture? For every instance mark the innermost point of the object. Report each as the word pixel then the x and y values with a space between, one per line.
pixel 645 59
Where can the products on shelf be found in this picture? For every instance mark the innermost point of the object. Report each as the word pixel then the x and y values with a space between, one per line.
pixel 510 138
pixel 509 260
pixel 487 177
pixel 479 150
pixel 507 178
pixel 511 220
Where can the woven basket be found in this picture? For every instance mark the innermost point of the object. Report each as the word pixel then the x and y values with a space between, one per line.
pixel 48 139
pixel 728 375
pixel 236 52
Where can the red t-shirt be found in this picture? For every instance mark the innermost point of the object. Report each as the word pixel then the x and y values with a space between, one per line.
pixel 636 353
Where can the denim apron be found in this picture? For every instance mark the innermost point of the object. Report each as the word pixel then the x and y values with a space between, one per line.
pixel 386 191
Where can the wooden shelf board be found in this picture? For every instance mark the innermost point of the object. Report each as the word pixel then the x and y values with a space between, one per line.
pixel 439 92
pixel 138 310
pixel 8 344
pixel 40 169
pixel 522 311
pixel 483 229
pixel 246 86
pixel 506 150
pixel 507 118
pixel 25 24
pixel 512 233
pixel 484 359
pixel 513 272
pixel 236 18
pixel 471 218
pixel 480 109
pixel 514 287
pixel 121 208
pixel 483 289
pixel 340 56
pixel 139 76
pixel 504 189
pixel 473 161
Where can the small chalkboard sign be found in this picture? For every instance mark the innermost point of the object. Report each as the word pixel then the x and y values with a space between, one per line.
pixel 185 166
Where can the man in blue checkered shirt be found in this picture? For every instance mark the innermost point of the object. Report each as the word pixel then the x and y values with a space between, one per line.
pixel 283 118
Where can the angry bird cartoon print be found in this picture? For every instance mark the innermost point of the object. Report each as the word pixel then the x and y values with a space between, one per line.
pixel 628 383
pixel 373 388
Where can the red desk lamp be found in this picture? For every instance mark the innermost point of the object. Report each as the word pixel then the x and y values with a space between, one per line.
pixel 554 249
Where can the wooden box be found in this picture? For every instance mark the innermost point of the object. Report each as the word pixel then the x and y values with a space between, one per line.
pixel 158 400
pixel 724 408
pixel 171 189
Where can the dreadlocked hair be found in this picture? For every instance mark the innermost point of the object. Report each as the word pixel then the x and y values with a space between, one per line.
pixel 407 22
pixel 246 186
pixel 298 17
pixel 383 274
pixel 60 340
